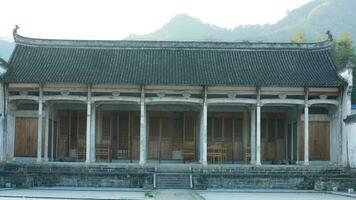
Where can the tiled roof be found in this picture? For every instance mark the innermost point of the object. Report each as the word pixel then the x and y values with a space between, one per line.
pixel 172 63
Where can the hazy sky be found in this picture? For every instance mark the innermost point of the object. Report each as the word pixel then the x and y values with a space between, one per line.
pixel 116 19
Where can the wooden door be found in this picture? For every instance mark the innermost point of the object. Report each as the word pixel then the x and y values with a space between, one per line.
pixel 154 135
pixel 134 135
pixel 319 141
pixel 123 141
pixel 189 136
pixel 166 139
pixel 26 137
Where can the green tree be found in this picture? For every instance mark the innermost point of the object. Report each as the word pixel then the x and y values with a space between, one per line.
pixel 298 36
pixel 319 38
pixel 343 50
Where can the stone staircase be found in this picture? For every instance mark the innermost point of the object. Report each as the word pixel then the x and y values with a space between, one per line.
pixel 173 181
pixel 177 176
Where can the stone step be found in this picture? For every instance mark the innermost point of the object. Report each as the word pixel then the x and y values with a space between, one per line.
pixel 172 181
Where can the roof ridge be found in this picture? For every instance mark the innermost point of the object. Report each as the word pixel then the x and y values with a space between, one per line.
pixel 21 40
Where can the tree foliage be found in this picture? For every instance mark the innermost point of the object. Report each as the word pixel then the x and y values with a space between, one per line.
pixel 343 50
pixel 298 36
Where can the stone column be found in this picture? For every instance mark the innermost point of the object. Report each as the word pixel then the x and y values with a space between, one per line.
pixel 258 134
pixel 306 134
pixel 46 133
pixel 253 135
pixel 258 127
pixel 204 130
pixel 39 127
pixel 143 133
pixel 52 135
pixel 88 135
pixel 92 156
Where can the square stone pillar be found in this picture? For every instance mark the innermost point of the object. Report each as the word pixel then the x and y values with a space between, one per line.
pixel 47 113
pixel 92 156
pixel 88 129
pixel 39 127
pixel 306 134
pixel 143 133
pixel 52 135
pixel 253 135
pixel 258 134
pixel 203 130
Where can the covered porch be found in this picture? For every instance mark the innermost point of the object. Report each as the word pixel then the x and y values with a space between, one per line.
pixel 187 125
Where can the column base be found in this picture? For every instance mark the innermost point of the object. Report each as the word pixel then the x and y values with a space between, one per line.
pixel 306 163
pixel 142 162
pixel 258 163
pixel 39 161
pixel 204 162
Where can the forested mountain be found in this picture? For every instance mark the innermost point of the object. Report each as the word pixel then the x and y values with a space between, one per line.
pixel 313 18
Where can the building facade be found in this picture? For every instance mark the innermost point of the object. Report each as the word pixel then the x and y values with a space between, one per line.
pixel 204 103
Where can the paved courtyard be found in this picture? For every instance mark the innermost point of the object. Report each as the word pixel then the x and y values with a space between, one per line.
pixel 105 193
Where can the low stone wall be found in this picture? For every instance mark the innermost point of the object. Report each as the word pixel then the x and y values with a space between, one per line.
pixel 47 175
pixel 203 177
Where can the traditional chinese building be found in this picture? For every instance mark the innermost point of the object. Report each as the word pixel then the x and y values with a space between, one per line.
pixel 196 104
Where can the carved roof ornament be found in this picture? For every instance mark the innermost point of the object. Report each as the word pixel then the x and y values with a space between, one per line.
pixel 330 36
pixel 323 96
pixel 14 32
pixel 282 96
pixel 115 93
pixel 186 94
pixel 232 95
pixel 65 92
pixel 23 93
pixel 161 94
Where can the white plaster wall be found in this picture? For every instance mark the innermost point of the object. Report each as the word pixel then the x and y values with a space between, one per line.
pixel 346 111
pixel 2 138
pixel 10 135
pixel 335 129
pixel 352 144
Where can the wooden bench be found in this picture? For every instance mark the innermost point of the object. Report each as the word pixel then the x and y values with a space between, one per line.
pixel 188 150
pixel 102 152
pixel 217 153
pixel 81 153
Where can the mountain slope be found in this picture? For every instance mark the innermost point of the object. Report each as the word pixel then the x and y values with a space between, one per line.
pixel 314 18
pixel 6 48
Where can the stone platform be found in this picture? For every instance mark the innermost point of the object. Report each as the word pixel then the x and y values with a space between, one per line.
pixel 193 176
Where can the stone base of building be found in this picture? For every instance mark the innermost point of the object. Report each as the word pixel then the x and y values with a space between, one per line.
pixel 176 176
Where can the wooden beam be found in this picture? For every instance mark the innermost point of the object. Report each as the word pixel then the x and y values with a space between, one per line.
pixel 227 101
pixel 282 101
pixel 324 101
pixel 122 99
pixel 65 98
pixel 173 100
pixel 30 86
pixel 23 97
